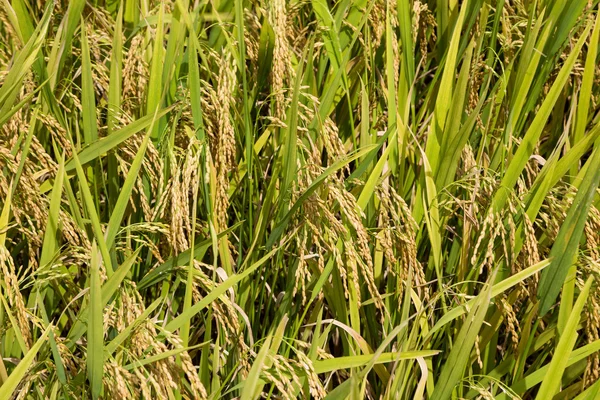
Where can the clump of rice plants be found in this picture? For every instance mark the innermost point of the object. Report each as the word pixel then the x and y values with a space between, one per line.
pixel 360 199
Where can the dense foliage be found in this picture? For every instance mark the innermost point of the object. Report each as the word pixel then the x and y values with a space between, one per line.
pixel 307 198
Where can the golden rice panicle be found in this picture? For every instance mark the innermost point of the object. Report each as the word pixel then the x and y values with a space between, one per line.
pixel 136 73
pixel 398 240
pixel 590 265
pixel 424 28
pixel 350 234
pixel 253 27
pixel 221 131
pixel 592 331
pixel 302 270
pixel 225 314
pixel 512 325
pixel 282 375
pixel 357 250
pixel 316 389
pixel 197 388
pixel 116 381
pixel 15 298
pixel 282 73
pixel 184 181
pixel 377 20
pixel 7 32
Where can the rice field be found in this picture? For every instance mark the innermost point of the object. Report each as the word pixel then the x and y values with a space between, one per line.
pixel 349 199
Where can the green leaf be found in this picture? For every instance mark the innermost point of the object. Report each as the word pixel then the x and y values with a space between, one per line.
pixel 160 356
pixel 551 382
pixel 251 382
pixel 61 49
pixel 109 288
pixel 348 362
pixel 445 92
pixel 23 61
pixel 101 146
pixel 181 259
pixel 178 322
pixel 288 150
pixel 125 193
pixel 565 248
pixel 50 244
pixel 453 368
pixel 156 71
pixel 116 74
pixel 8 388
pixel 329 30
pixel 497 289
pixel 532 135
pixel 95 330
pixel 585 93
pixel 112 346
pixel 92 212
pixel 537 376
pixel 88 96
pixel 15 325
pixel 278 231
pixel 112 284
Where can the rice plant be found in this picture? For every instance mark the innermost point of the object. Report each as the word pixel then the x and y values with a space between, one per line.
pixel 363 199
